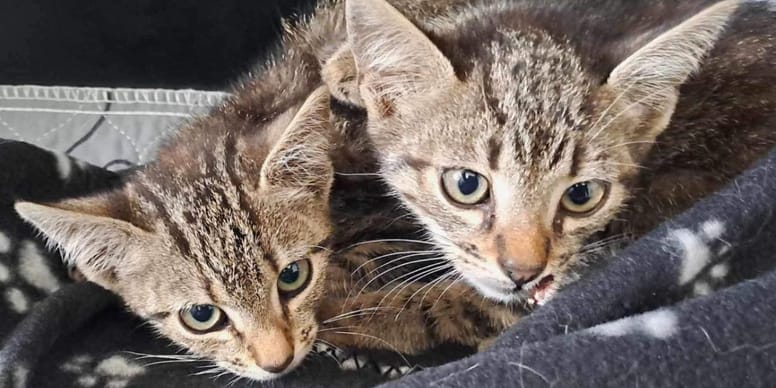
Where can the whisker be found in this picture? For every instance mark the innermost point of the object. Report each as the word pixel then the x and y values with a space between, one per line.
pixel 385 240
pixel 378 276
pixel 356 174
pixel 415 277
pixel 382 257
pixel 351 314
pixel 429 285
pixel 441 295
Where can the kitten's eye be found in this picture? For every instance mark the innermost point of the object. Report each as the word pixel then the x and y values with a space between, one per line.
pixel 203 318
pixel 583 197
pixel 294 278
pixel 465 187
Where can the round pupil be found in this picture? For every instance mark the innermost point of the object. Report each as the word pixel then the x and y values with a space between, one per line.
pixel 202 313
pixel 469 182
pixel 290 274
pixel 579 193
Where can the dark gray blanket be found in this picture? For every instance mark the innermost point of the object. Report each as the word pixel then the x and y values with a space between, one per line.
pixel 688 305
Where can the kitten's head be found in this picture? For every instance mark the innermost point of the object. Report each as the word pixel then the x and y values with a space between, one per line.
pixel 507 143
pixel 217 243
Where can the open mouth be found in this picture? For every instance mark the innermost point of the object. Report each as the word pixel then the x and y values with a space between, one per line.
pixel 541 292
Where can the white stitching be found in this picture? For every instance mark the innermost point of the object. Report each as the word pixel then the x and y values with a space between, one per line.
pixel 95 112
pixel 131 142
pixel 120 95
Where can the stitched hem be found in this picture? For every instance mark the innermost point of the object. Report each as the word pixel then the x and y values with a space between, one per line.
pixel 182 97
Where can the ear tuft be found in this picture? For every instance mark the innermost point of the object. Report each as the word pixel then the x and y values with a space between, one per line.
pixel 651 76
pixel 340 75
pixel 300 160
pixel 395 60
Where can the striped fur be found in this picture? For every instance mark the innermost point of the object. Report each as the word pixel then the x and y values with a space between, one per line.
pixel 660 101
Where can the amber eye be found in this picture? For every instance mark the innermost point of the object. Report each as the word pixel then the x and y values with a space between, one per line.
pixel 203 318
pixel 583 197
pixel 294 278
pixel 465 187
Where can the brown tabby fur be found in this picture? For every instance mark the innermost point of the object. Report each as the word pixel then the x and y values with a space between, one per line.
pixel 237 195
pixel 665 106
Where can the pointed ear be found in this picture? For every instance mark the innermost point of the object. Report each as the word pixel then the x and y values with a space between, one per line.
pixel 649 79
pixel 395 60
pixel 89 233
pixel 300 160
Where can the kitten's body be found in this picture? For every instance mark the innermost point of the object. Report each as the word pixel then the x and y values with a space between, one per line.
pixel 533 99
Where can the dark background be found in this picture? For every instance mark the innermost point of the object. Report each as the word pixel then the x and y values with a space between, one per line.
pixel 137 43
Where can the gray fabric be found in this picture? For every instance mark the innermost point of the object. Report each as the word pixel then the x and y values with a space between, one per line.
pixel 103 126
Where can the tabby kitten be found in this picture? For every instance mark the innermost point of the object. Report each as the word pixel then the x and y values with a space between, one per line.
pixel 225 242
pixel 520 132
pixel 216 244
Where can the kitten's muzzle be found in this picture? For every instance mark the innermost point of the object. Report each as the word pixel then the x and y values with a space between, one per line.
pixel 521 252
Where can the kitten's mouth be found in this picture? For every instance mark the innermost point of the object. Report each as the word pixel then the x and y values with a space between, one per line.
pixel 541 291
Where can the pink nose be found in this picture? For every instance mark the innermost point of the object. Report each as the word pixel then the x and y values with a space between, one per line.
pixel 520 275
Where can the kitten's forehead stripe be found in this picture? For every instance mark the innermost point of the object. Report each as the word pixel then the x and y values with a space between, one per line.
pixel 494 152
pixel 536 88
pixel 177 235
pixel 236 181
pixel 558 153
pixel 576 159
pixel 493 103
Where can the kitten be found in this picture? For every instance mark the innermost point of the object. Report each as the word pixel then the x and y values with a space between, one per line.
pixel 224 243
pixel 522 133
pixel 217 243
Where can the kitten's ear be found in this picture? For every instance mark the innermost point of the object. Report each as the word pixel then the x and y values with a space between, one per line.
pixel 395 60
pixel 90 232
pixel 650 78
pixel 340 75
pixel 300 160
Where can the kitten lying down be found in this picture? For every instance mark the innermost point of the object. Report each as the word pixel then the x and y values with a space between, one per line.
pixel 225 245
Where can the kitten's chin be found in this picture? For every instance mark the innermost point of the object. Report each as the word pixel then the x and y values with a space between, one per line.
pixel 493 289
pixel 258 374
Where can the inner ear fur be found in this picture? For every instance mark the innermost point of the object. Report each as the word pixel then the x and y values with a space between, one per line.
pixel 93 233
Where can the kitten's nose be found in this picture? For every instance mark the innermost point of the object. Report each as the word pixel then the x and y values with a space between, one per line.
pixel 277 368
pixel 519 275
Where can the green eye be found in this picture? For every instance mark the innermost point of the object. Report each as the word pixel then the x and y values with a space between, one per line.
pixel 203 318
pixel 583 197
pixel 465 187
pixel 294 278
